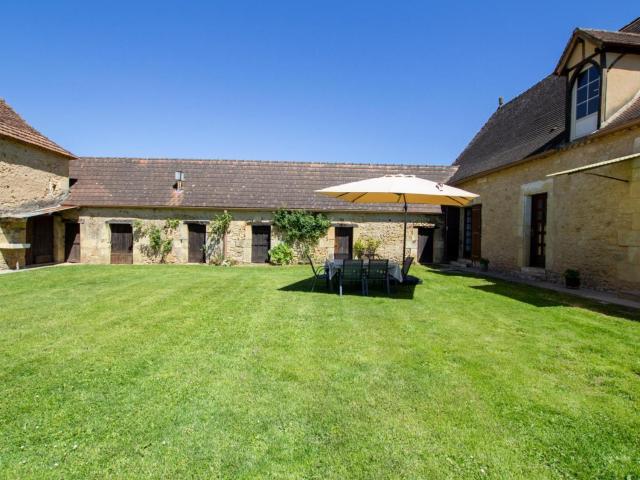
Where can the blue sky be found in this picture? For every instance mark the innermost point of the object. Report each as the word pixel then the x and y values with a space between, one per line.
pixel 396 81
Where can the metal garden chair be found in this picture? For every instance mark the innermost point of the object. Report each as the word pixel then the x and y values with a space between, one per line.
pixel 379 272
pixel 352 272
pixel 318 274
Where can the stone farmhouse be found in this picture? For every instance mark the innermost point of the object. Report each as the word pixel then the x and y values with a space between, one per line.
pixel 58 208
pixel 558 171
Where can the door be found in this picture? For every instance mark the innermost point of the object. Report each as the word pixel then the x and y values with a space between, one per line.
pixel 343 244
pixel 476 233
pixel 197 240
pixel 121 243
pixel 538 230
pixel 40 236
pixel 260 243
pixel 425 245
pixel 467 232
pixel 72 242
pixel 452 226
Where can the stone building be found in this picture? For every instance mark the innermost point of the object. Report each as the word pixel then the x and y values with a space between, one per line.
pixel 558 171
pixel 34 181
pixel 56 208
pixel 113 195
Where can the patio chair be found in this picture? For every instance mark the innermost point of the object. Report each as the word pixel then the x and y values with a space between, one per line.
pixel 318 274
pixel 352 272
pixel 378 272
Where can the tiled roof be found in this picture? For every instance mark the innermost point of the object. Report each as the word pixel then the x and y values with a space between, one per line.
pixel 528 124
pixel 614 38
pixel 632 27
pixel 13 126
pixel 230 184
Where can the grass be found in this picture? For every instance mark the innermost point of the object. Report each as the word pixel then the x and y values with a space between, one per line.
pixel 196 371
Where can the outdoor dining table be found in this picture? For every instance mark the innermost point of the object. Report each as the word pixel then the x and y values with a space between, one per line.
pixel 332 267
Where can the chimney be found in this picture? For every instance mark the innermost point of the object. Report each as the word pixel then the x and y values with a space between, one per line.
pixel 179 180
pixel 500 102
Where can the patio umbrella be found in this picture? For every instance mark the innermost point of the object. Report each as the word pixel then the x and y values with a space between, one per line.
pixel 403 189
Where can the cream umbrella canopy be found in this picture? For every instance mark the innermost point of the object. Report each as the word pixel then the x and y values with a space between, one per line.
pixel 402 189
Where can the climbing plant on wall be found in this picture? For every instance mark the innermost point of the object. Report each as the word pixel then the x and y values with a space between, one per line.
pixel 301 229
pixel 218 228
pixel 159 239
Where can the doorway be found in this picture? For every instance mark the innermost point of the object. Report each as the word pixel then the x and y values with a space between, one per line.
pixel 260 243
pixel 40 237
pixel 197 242
pixel 72 242
pixel 343 244
pixel 425 245
pixel 121 243
pixel 537 255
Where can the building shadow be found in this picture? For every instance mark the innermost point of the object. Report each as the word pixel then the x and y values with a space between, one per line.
pixel 398 292
pixel 539 297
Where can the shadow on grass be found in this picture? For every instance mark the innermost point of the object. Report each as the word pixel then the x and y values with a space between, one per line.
pixel 398 292
pixel 540 297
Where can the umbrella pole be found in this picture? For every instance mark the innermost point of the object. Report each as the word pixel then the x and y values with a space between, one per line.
pixel 404 238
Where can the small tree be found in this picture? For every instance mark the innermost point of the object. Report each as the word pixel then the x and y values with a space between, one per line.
pixel 300 229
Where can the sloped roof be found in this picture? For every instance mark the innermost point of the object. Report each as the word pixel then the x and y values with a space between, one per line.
pixel 231 184
pixel 13 126
pixel 632 27
pixel 534 121
pixel 528 124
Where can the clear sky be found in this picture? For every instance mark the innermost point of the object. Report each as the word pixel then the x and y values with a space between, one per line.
pixel 342 81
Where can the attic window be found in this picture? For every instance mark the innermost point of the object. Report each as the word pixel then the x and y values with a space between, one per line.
pixel 586 102
pixel 179 176
pixel 588 93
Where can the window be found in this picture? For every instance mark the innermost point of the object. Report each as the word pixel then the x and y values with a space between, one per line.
pixel 586 102
pixel 588 93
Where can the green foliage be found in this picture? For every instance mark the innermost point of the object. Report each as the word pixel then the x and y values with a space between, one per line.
pixel 571 273
pixel 300 229
pixel 218 228
pixel 159 240
pixel 366 247
pixel 281 254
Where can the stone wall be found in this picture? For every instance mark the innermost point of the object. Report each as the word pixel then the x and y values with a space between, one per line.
pixel 13 231
pixel 96 248
pixel 593 223
pixel 30 177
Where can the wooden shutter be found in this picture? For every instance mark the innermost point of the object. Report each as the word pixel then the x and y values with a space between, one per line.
pixel 537 255
pixel 476 232
pixel 72 242
pixel 343 243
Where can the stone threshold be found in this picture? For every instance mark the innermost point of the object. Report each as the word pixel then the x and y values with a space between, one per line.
pixel 595 295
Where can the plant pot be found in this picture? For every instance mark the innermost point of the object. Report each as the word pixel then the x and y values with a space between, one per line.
pixel 571 282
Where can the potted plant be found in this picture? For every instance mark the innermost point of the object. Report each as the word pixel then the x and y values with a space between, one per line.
pixel 484 264
pixel 572 278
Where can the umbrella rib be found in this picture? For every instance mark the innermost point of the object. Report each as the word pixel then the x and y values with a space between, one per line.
pixel 458 202
pixel 359 197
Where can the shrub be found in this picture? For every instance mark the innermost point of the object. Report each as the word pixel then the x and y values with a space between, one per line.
pixel 281 254
pixel 366 247
pixel 300 229
pixel 160 240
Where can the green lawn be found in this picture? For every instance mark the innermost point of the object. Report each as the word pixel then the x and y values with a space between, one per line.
pixel 196 371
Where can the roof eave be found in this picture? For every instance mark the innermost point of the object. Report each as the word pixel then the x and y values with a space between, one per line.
pixel 576 143
pixel 62 152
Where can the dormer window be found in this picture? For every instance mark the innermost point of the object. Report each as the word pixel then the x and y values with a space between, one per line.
pixel 586 102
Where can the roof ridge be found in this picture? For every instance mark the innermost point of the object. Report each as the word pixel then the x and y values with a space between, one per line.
pixel 276 162
pixel 619 32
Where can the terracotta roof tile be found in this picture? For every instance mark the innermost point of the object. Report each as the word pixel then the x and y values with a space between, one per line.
pixel 13 126
pixel 229 183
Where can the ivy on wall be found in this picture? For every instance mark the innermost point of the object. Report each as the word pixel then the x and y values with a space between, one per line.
pixel 301 229
pixel 218 228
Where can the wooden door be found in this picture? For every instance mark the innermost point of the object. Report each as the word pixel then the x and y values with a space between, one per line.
pixel 476 233
pixel 72 242
pixel 425 245
pixel 538 230
pixel 40 236
pixel 197 240
pixel 343 244
pixel 260 243
pixel 121 243
pixel 467 236
pixel 452 232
